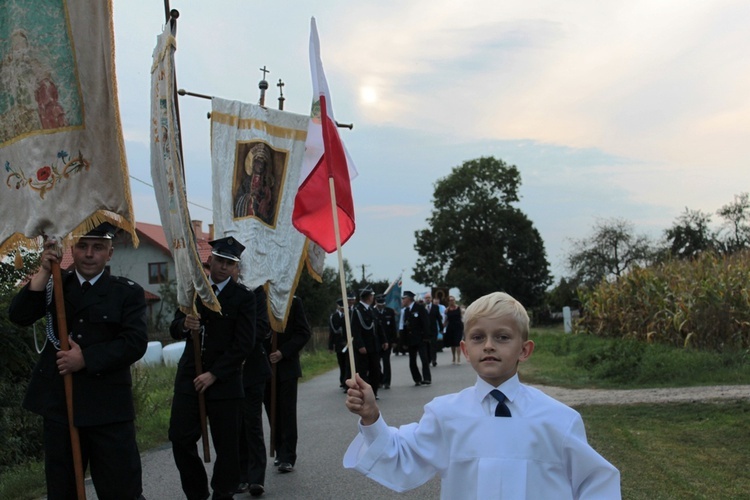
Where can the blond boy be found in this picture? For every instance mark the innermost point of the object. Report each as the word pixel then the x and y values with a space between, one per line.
pixel 517 443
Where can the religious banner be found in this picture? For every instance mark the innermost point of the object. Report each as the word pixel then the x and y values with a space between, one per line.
pixel 169 182
pixel 256 157
pixel 61 144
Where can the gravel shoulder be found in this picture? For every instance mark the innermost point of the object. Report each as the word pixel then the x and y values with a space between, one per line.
pixel 577 397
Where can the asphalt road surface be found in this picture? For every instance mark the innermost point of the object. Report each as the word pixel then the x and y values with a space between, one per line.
pixel 325 430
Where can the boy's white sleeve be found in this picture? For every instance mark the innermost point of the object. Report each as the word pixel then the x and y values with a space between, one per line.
pixel 591 476
pixel 400 459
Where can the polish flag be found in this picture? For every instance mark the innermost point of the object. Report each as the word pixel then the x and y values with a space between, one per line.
pixel 325 158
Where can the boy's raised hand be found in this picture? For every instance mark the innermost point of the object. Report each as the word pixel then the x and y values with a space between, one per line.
pixel 361 400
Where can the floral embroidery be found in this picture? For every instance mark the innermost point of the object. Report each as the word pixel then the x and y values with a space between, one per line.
pixel 48 175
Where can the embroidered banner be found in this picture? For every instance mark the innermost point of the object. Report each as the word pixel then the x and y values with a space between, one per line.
pixel 61 144
pixel 169 183
pixel 256 157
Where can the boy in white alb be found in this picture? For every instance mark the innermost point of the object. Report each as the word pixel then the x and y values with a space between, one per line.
pixel 497 439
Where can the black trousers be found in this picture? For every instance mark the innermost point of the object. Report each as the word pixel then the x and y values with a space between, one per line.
pixel 285 430
pixel 344 370
pixel 110 450
pixel 385 357
pixel 368 367
pixel 252 444
pixel 423 350
pixel 184 433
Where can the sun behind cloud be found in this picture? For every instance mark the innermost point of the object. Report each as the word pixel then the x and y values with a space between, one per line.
pixel 368 95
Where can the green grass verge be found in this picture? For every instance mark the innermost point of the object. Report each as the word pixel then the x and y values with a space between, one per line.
pixel 580 360
pixel 668 451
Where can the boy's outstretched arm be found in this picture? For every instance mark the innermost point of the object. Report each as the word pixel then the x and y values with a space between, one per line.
pixel 361 400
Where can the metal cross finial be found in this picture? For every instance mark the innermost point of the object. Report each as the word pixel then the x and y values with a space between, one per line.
pixel 281 94
pixel 264 70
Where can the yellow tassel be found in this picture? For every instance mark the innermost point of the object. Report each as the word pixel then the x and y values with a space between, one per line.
pixel 18 261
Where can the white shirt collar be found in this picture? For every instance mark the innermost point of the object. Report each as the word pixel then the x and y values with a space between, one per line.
pixel 510 388
pixel 221 285
pixel 93 280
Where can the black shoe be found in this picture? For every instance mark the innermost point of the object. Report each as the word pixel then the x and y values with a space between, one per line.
pixel 434 363
pixel 417 384
pixel 386 386
pixel 276 462
pixel 256 490
pixel 285 467
pixel 426 382
pixel 242 488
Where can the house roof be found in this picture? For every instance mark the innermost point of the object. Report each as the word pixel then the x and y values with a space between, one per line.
pixel 155 234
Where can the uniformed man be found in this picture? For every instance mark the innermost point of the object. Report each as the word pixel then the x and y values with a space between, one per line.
pixel 367 339
pixel 106 321
pixel 414 327
pixel 227 338
pixel 288 370
pixel 255 373
pixel 337 342
pixel 389 326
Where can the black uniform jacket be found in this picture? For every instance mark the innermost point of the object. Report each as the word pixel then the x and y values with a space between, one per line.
pixel 291 341
pixel 109 324
pixel 336 331
pixel 257 368
pixel 388 323
pixel 435 324
pixel 415 324
pixel 365 329
pixel 228 338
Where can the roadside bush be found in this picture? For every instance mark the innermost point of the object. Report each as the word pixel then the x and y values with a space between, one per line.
pixel 702 303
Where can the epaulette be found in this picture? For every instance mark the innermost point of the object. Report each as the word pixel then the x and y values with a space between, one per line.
pixel 123 280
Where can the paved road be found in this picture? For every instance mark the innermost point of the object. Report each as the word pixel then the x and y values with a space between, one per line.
pixel 325 429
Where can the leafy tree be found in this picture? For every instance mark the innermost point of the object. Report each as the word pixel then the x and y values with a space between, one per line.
pixel 611 251
pixel 565 293
pixel 690 235
pixel 21 431
pixel 477 241
pixel 736 217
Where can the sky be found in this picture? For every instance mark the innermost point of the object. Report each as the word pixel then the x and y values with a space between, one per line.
pixel 634 110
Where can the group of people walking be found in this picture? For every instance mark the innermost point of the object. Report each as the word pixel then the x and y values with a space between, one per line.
pixel 228 382
pixel 378 330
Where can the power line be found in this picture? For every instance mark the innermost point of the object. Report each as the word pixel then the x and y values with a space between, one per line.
pixel 152 187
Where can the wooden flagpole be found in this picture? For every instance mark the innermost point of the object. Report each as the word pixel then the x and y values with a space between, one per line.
pixel 62 333
pixel 342 279
pixel 171 17
pixel 201 395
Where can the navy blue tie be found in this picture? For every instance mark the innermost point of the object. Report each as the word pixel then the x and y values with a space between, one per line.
pixel 85 286
pixel 501 410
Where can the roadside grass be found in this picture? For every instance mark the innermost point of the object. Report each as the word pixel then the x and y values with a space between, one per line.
pixel 667 451
pixel 581 360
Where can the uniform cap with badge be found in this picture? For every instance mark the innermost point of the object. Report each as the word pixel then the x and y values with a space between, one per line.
pixel 227 248
pixel 104 231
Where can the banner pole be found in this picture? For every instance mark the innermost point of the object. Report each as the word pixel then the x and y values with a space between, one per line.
pixel 62 330
pixel 342 278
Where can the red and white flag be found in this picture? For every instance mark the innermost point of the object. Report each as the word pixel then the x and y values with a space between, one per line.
pixel 325 158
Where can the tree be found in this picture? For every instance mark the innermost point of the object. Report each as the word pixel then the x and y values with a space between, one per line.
pixel 736 217
pixel 609 252
pixel 477 241
pixel 690 235
pixel 21 430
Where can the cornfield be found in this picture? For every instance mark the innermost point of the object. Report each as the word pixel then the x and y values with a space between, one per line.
pixel 702 303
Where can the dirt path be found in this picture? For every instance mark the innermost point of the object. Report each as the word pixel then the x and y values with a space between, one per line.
pixel 576 397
